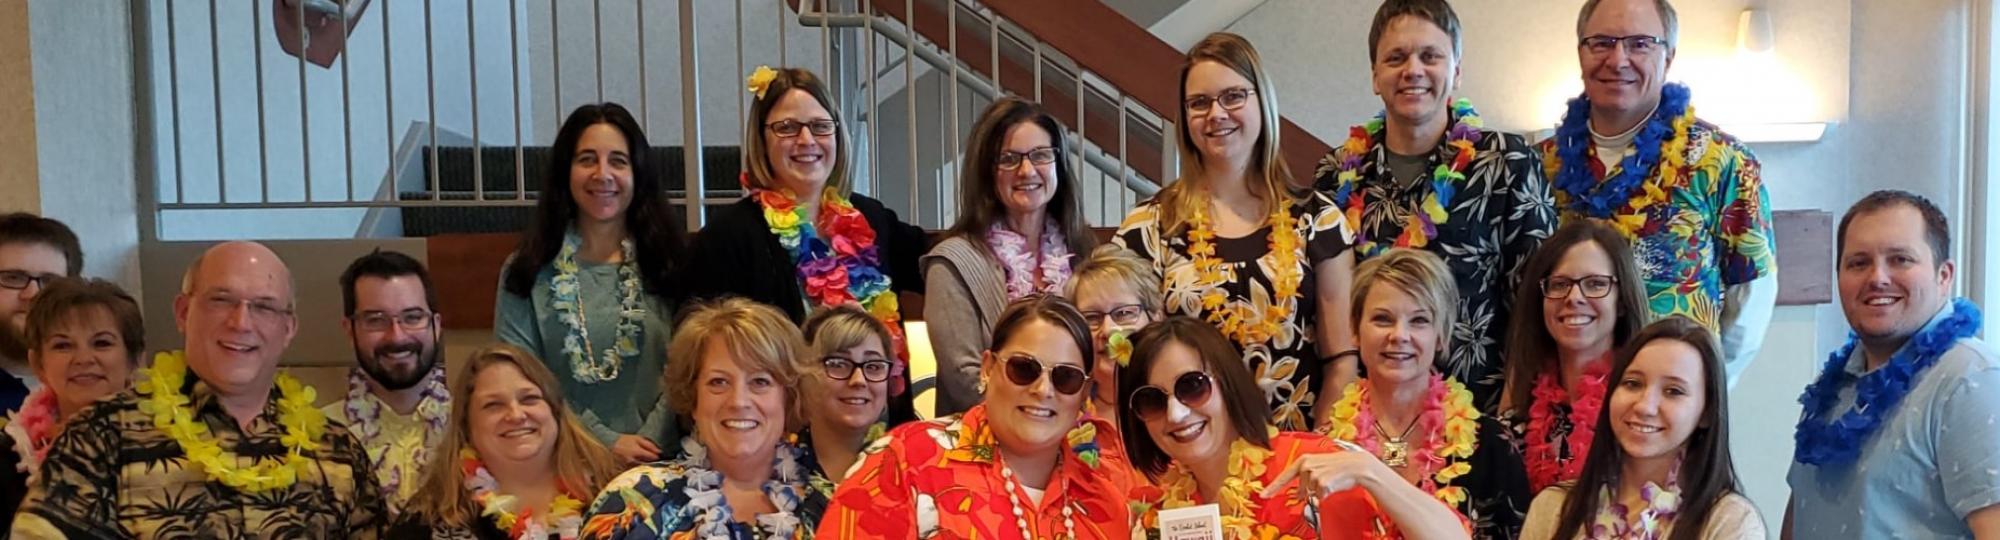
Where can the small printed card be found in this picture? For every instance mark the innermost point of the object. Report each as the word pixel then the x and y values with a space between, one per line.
pixel 1192 523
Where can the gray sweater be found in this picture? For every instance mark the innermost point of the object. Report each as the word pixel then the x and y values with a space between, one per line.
pixel 964 291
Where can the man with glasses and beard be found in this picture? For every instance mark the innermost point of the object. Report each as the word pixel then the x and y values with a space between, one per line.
pixel 33 250
pixel 396 402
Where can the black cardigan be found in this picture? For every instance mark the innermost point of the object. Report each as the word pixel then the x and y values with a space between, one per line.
pixel 737 255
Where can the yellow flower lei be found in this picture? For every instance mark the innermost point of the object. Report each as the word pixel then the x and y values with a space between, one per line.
pixel 1629 220
pixel 1461 434
pixel 304 425
pixel 1234 498
pixel 1244 323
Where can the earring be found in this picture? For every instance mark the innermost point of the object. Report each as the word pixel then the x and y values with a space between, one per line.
pixel 982 384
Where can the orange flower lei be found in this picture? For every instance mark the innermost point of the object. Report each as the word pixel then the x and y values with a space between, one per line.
pixel 1244 323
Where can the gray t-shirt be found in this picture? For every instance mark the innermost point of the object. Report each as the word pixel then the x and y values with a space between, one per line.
pixel 1406 170
pixel 1933 461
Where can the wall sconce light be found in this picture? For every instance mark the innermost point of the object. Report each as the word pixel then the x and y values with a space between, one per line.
pixel 1753 31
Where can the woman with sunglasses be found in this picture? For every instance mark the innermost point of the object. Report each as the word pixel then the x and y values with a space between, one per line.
pixel 802 240
pixel 845 390
pixel 1236 245
pixel 1581 298
pixel 1202 445
pixel 1023 464
pixel 1421 423
pixel 1020 230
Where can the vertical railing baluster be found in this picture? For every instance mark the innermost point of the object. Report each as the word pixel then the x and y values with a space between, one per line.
pixel 1038 70
pixel 1124 152
pixel 257 51
pixel 874 100
pixel 174 99
pixel 825 39
pixel 742 98
pixel 215 78
pixel 305 110
pixel 430 96
pixel 472 75
pixel 951 33
pixel 389 141
pixel 514 48
pixel 645 107
pixel 691 120
pixel 910 92
pixel 346 107
pixel 597 42
pixel 555 61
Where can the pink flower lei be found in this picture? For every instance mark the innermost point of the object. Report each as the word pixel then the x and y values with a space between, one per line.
pixel 1545 460
pixel 33 428
pixel 1020 264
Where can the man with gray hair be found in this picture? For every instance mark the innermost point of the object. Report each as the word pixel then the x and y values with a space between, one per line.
pixel 213 440
pixel 1631 153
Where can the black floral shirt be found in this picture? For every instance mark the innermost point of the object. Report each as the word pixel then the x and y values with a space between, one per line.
pixel 112 474
pixel 1497 218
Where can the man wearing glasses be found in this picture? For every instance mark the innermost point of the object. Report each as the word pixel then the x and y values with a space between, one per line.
pixel 213 440
pixel 396 402
pixel 33 250
pixel 1631 153
pixel 1426 174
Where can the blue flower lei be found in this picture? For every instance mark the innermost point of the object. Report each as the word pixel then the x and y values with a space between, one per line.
pixel 1573 142
pixel 1821 441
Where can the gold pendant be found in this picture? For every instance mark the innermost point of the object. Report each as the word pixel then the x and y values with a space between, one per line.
pixel 1395 453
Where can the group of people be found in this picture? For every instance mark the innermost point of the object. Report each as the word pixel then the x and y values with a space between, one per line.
pixel 1446 332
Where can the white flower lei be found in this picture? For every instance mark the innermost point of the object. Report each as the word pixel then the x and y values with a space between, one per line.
pixel 569 309
pixel 710 512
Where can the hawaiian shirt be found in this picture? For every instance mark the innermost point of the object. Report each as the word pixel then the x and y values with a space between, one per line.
pixel 1714 231
pixel 1284 516
pixel 113 474
pixel 394 448
pixel 1497 218
pixel 1288 364
pixel 654 502
pixel 940 479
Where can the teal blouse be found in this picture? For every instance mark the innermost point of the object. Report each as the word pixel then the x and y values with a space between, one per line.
pixel 632 404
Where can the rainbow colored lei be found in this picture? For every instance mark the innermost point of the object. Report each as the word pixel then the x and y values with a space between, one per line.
pixel 565 512
pixel 1445 180
pixel 843 268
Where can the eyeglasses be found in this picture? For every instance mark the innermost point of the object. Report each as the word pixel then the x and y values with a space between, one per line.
pixel 1024 370
pixel 18 280
pixel 1191 389
pixel 1593 287
pixel 790 128
pixel 1231 99
pixel 411 320
pixel 1040 156
pixel 262 310
pixel 841 369
pixel 1125 315
pixel 1635 45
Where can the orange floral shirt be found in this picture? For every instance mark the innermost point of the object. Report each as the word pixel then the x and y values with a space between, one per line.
pixel 939 479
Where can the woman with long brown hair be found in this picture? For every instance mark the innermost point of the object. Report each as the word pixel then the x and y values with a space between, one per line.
pixel 1237 245
pixel 514 463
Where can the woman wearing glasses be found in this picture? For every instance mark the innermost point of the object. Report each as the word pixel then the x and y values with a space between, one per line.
pixel 1023 464
pixel 1118 293
pixel 802 240
pixel 1237 247
pixel 590 290
pixel 845 392
pixel 1199 430
pixel 1020 231
pixel 1580 299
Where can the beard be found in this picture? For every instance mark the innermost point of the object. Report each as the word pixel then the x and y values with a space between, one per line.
pixel 13 343
pixel 398 379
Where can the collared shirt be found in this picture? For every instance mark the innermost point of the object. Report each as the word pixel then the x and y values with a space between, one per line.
pixel 393 450
pixel 113 474
pixel 1931 463
pixel 1714 231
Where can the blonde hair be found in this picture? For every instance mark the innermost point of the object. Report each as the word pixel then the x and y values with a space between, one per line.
pixel 839 328
pixel 756 334
pixel 580 463
pixel 757 155
pixel 1179 200
pixel 1418 273
pixel 1112 265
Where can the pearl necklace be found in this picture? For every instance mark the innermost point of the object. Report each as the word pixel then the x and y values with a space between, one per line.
pixel 1020 518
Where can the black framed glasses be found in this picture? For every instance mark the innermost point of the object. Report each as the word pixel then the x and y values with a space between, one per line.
pixel 791 128
pixel 1039 156
pixel 1125 315
pixel 1231 99
pixel 410 320
pixel 1191 389
pixel 841 369
pixel 1558 288
pixel 18 280
pixel 1024 370
pixel 1635 45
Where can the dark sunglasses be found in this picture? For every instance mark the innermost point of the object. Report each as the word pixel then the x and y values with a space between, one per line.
pixel 1150 402
pixel 1024 370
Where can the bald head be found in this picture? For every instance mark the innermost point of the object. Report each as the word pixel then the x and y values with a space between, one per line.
pixel 235 309
pixel 243 258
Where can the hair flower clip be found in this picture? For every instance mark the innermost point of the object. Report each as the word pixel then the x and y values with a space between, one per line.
pixel 760 80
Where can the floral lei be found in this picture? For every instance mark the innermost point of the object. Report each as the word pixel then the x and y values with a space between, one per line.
pixel 565 512
pixel 1651 523
pixel 304 425
pixel 1621 199
pixel 1445 180
pixel 1826 441
pixel 844 268
pixel 1237 497
pixel 33 428
pixel 1244 323
pixel 1020 264
pixel 973 441
pixel 364 413
pixel 708 513
pixel 569 309
pixel 1545 463
pixel 1448 406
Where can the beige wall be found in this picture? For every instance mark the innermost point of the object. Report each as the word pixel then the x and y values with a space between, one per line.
pixel 19 188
